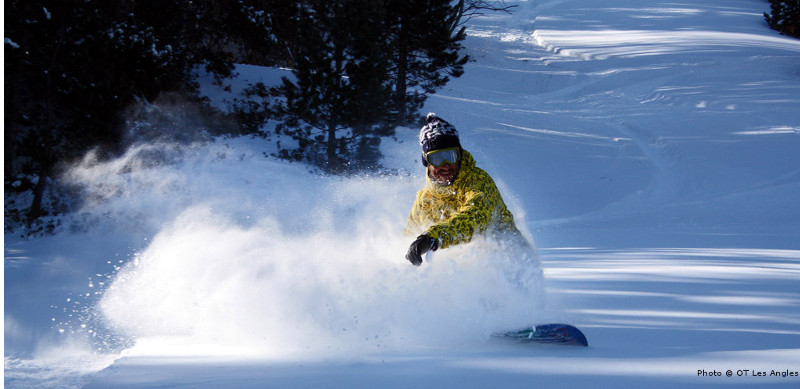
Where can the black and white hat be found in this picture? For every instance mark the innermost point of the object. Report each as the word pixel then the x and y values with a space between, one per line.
pixel 437 134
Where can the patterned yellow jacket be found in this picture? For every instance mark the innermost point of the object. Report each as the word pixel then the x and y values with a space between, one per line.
pixel 454 214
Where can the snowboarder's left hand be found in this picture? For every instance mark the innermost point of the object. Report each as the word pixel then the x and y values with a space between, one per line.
pixel 422 245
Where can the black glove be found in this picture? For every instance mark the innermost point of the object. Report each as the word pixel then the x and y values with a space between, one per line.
pixel 422 245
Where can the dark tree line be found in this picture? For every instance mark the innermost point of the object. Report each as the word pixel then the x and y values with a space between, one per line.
pixel 360 69
pixel 73 66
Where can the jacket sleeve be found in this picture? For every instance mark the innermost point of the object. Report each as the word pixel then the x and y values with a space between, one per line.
pixel 473 216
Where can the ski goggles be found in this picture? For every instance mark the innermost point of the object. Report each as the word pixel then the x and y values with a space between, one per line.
pixel 437 158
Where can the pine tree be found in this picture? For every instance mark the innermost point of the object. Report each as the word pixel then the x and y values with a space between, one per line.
pixel 336 108
pixel 784 17
pixel 364 67
pixel 426 50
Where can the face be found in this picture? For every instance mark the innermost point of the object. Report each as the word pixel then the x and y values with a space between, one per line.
pixel 445 174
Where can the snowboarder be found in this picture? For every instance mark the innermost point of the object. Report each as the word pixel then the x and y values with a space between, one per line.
pixel 459 199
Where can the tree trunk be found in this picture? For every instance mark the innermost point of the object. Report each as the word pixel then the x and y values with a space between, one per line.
pixel 332 165
pixel 38 194
pixel 402 74
pixel 333 117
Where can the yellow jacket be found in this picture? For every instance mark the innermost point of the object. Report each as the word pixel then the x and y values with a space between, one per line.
pixel 454 214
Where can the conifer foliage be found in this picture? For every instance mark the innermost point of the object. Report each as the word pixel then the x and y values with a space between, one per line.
pixel 338 97
pixel 363 67
pixel 784 17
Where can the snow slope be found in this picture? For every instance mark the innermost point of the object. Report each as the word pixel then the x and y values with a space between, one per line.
pixel 650 150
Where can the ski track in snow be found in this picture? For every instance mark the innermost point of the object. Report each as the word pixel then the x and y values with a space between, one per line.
pixel 650 150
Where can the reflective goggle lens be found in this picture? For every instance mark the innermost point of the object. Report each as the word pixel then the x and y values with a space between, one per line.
pixel 437 158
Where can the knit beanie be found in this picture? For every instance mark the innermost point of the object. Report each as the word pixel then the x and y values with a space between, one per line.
pixel 437 134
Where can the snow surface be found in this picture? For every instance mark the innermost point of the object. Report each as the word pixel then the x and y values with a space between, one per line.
pixel 649 148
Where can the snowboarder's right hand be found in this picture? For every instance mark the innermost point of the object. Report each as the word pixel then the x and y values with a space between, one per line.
pixel 422 245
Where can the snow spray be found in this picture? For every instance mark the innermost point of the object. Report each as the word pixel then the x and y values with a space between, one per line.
pixel 253 256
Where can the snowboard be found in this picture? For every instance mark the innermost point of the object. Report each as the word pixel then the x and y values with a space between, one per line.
pixel 554 333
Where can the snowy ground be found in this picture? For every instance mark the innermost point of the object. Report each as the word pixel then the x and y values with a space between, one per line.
pixel 650 150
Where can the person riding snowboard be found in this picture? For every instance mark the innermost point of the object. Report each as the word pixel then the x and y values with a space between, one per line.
pixel 459 199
